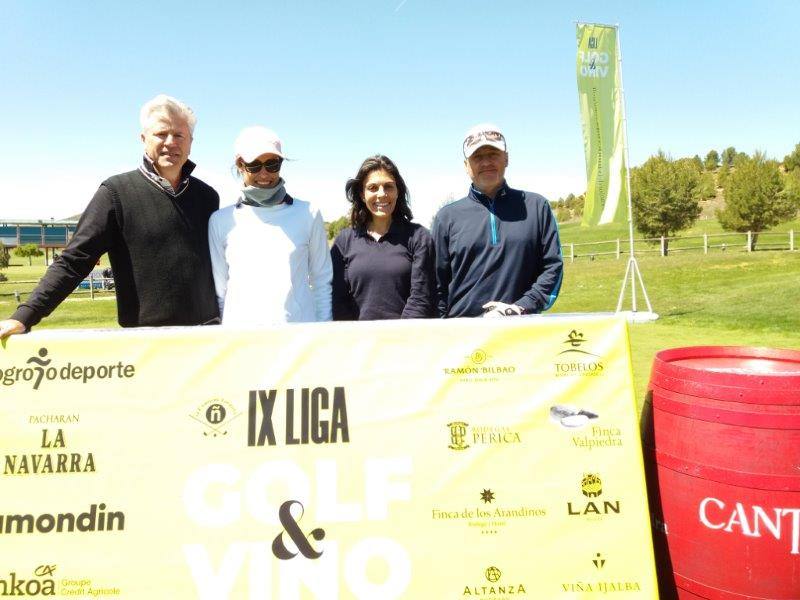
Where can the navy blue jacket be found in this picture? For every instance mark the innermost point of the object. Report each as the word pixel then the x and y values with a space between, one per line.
pixel 504 249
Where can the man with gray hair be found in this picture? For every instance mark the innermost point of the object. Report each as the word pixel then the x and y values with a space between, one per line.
pixel 153 223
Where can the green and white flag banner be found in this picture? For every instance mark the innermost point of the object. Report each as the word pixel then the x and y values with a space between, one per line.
pixel 599 92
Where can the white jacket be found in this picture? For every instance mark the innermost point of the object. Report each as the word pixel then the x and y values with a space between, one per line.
pixel 270 264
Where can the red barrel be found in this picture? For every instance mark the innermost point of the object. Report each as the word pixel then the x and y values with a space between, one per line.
pixel 721 429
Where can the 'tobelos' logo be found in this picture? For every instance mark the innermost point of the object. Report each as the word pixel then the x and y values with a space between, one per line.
pixel 575 360
pixel 496 588
pixel 592 487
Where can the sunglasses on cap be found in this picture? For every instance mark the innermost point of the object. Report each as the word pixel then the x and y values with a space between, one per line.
pixel 489 136
pixel 273 165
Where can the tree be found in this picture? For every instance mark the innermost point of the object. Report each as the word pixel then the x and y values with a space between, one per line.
pixel 755 198
pixel 3 260
pixel 28 250
pixel 712 160
pixel 728 155
pixel 664 194
pixel 334 227
pixel 792 161
pixel 698 163
pixel 708 187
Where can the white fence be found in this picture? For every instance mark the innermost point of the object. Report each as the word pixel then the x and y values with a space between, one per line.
pixel 707 242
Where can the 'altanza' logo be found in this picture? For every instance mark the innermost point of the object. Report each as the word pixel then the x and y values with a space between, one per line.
pixel 574 360
pixel 41 368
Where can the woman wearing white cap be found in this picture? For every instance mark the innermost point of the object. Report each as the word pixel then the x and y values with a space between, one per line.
pixel 269 251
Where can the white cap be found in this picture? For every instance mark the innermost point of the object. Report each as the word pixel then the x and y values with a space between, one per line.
pixel 485 134
pixel 255 141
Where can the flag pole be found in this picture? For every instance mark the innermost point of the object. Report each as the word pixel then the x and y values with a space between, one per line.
pixel 632 268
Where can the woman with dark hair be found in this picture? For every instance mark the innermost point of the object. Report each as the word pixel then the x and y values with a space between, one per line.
pixel 383 263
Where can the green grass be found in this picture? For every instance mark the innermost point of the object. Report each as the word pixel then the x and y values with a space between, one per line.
pixel 723 298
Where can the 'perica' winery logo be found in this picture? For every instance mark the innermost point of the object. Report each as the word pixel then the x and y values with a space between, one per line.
pixel 592 488
pixel 312 416
pixel 575 360
pixel 464 436
pixel 41 368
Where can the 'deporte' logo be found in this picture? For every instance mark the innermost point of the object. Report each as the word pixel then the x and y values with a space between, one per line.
pixel 41 368
pixel 575 359
pixel 216 416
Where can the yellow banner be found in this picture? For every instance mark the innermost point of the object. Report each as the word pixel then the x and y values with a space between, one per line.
pixel 428 460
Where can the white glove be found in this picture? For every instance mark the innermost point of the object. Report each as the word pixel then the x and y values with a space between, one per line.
pixel 501 309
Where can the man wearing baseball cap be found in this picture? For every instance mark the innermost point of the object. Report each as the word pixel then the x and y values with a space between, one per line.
pixel 152 222
pixel 497 249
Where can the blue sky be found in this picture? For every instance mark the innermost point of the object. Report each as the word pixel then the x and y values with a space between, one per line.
pixel 340 80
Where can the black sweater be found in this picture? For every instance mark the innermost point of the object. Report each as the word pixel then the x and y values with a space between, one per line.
pixel 158 247
pixel 389 278
pixel 496 249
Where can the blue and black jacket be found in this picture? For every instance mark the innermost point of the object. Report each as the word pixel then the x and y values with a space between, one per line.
pixel 503 249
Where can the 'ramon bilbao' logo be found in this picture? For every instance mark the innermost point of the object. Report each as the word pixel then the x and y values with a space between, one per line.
pixel 479 366
pixel 216 416
pixel 496 588
pixel 463 435
pixel 575 360
pixel 40 368
pixel 592 488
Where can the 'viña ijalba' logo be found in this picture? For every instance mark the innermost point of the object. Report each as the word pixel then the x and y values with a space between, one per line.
pixel 592 487
pixel 40 368
pixel 575 360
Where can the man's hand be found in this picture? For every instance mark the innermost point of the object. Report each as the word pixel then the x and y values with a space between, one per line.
pixel 10 327
pixel 501 309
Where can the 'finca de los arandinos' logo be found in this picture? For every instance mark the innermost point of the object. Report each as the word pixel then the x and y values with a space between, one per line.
pixel 575 361
pixel 463 435
pixel 41 368
pixel 592 488
pixel 496 588
pixel 216 416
